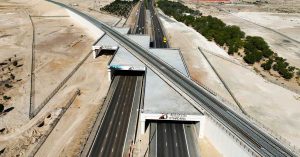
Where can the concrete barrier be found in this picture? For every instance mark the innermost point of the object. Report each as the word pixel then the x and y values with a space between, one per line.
pixel 92 30
pixel 227 144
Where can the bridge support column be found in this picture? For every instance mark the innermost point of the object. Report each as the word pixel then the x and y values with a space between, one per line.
pixel 143 126
pixel 201 127
pixel 109 75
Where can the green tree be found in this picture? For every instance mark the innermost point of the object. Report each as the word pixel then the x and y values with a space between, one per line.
pixel 267 65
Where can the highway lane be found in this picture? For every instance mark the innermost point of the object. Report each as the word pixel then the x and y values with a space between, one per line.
pixel 171 140
pixel 254 137
pixel 140 28
pixel 156 27
pixel 109 140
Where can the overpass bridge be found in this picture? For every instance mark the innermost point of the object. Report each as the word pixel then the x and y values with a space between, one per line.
pixel 257 140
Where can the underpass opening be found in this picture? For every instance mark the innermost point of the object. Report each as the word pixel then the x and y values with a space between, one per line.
pixel 170 137
pixel 196 124
pixel 104 50
pixel 197 121
pixel 148 122
pixel 123 70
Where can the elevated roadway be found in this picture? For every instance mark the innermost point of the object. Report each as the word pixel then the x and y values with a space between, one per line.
pixel 257 140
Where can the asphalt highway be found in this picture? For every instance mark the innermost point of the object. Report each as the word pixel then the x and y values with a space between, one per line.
pixel 140 29
pixel 171 141
pixel 109 140
pixel 158 33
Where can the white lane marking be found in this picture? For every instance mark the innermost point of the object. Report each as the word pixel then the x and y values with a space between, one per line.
pixel 186 140
pixel 135 85
pixel 115 110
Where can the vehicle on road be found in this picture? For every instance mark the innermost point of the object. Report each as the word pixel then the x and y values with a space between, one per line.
pixel 164 39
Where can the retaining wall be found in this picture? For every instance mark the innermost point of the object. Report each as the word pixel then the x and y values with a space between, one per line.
pixel 224 141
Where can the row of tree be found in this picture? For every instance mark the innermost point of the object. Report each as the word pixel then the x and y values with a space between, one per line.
pixel 119 8
pixel 255 48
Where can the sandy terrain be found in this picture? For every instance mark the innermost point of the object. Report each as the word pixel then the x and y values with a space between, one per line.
pixel 60 44
pixel 92 7
pixel 280 112
pixel 93 84
pixel 207 149
pixel 16 37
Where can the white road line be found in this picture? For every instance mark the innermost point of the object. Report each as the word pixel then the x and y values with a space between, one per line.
pixel 187 146
pixel 107 108
pixel 129 116
pixel 115 109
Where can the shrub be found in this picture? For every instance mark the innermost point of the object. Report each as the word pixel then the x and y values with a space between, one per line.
pixel 12 76
pixel 8 86
pixel 6 97
pixel 252 57
pixel 15 63
pixel 267 65
pixel 1 107
pixel 120 8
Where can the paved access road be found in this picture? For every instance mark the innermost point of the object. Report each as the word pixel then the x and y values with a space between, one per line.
pixel 109 140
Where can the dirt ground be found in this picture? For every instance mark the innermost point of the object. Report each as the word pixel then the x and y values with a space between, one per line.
pixel 207 149
pixel 60 44
pixel 92 7
pixel 272 105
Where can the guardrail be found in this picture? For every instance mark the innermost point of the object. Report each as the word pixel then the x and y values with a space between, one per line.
pixel 250 134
